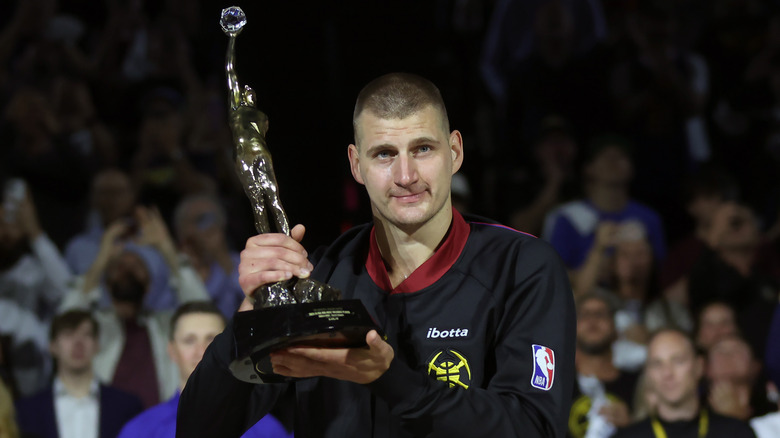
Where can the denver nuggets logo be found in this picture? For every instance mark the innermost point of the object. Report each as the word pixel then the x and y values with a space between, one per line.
pixel 451 367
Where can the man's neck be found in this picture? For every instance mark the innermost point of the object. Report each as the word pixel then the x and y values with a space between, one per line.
pixel 403 251
pixel 631 290
pixel 598 365
pixel 608 197
pixel 740 259
pixel 76 383
pixel 685 410
pixel 126 310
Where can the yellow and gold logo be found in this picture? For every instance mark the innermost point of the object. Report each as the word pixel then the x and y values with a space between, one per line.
pixel 578 416
pixel 451 367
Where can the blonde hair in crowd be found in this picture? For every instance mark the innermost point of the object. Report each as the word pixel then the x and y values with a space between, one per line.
pixel 8 428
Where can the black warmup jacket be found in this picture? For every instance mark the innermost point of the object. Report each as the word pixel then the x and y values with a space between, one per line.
pixel 484 340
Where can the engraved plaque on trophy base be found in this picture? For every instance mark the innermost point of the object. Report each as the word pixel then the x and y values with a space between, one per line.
pixel 326 324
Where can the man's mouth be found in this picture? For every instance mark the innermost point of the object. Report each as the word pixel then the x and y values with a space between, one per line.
pixel 409 198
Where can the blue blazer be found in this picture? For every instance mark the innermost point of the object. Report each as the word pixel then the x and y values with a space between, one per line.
pixel 36 417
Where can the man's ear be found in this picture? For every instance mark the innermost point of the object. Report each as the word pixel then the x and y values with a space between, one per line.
pixel 354 163
pixel 456 149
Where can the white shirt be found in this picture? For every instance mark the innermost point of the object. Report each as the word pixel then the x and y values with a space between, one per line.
pixel 77 417
pixel 767 426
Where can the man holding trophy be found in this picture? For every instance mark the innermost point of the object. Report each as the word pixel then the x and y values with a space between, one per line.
pixel 475 322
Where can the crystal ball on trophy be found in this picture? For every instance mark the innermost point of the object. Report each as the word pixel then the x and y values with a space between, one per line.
pixel 299 311
pixel 232 20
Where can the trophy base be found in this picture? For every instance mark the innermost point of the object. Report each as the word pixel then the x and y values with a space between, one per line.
pixel 325 324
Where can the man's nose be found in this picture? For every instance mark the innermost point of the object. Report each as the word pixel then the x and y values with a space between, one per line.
pixel 405 171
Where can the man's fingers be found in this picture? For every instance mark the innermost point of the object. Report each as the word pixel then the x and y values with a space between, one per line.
pixel 275 240
pixel 250 282
pixel 297 232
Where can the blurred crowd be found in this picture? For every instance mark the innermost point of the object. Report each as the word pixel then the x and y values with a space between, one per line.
pixel 640 138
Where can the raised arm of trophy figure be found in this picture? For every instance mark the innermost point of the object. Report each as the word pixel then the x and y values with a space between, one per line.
pixel 233 86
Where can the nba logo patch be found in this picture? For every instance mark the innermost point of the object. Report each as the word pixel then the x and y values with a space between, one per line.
pixel 544 367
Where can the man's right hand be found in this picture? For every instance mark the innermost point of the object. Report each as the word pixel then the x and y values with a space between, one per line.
pixel 271 257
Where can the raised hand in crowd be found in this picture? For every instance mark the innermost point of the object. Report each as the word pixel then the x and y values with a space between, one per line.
pixel 587 277
pixel 153 232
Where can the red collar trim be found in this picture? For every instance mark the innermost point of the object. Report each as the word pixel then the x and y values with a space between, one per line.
pixel 430 271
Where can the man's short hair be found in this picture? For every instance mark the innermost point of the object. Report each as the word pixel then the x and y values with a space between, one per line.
pixel 609 299
pixel 711 180
pixel 194 307
pixel 398 96
pixel 682 333
pixel 609 140
pixel 70 320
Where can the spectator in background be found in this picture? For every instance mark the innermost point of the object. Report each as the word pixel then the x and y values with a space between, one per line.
pixel 113 201
pixel 193 326
pixel 716 320
pixel 604 394
pixel 630 272
pixel 200 227
pixel 673 371
pixel 705 191
pixel 133 338
pixel 556 78
pixel 768 426
pixel 510 37
pixel 530 187
pixel 76 404
pixel 736 267
pixel 52 132
pixel 162 169
pixel 573 227
pixel 734 387
pixel 659 97
pixel 25 360
pixel 33 276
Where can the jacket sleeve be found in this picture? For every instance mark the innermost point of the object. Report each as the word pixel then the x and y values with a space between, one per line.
pixel 187 283
pixel 538 311
pixel 54 266
pixel 216 404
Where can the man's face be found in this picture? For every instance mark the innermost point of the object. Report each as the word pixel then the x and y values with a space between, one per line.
pixel 611 166
pixel 743 231
pixel 112 196
pixel 702 208
pixel 202 228
pixel 557 150
pixel 633 260
pixel 730 359
pixel 595 327
pixel 193 333
pixel 127 278
pixel 75 348
pixel 715 323
pixel 406 166
pixel 673 370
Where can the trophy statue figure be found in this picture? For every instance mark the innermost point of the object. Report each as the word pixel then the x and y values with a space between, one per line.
pixel 299 311
pixel 256 173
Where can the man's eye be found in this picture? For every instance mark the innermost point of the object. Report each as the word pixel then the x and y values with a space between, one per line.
pixel 383 154
pixel 424 149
